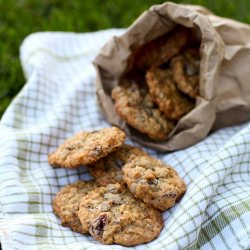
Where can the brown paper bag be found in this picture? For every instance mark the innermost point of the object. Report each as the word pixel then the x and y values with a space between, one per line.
pixel 224 71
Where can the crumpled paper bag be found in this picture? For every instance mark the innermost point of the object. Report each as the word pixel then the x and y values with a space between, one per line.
pixel 224 71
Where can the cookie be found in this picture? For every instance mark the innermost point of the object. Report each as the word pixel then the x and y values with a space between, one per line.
pixel 66 204
pixel 164 92
pixel 159 50
pixel 87 147
pixel 154 182
pixel 108 169
pixel 134 105
pixel 185 69
pixel 113 215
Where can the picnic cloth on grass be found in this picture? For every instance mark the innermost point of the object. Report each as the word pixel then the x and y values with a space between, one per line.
pixel 59 100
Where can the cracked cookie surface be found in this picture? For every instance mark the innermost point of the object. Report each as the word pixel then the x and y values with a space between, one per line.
pixel 135 106
pixel 108 169
pixel 163 91
pixel 87 147
pixel 113 215
pixel 66 204
pixel 156 183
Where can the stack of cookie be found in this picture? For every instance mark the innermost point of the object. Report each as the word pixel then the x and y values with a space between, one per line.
pixel 122 205
pixel 161 84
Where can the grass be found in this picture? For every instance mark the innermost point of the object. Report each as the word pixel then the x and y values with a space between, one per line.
pixel 21 17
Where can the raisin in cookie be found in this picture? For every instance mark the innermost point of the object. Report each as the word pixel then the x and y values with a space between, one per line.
pixel 66 204
pixel 164 92
pixel 185 69
pixel 113 215
pixel 87 147
pixel 134 105
pixel 108 169
pixel 154 182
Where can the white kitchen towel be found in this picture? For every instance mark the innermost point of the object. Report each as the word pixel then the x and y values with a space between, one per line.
pixel 59 100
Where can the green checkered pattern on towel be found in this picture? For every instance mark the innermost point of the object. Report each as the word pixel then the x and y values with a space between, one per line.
pixel 59 100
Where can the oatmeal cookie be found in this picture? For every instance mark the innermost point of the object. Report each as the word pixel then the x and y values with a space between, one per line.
pixel 185 69
pixel 164 92
pixel 87 147
pixel 134 105
pixel 113 215
pixel 154 182
pixel 159 50
pixel 66 204
pixel 108 169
